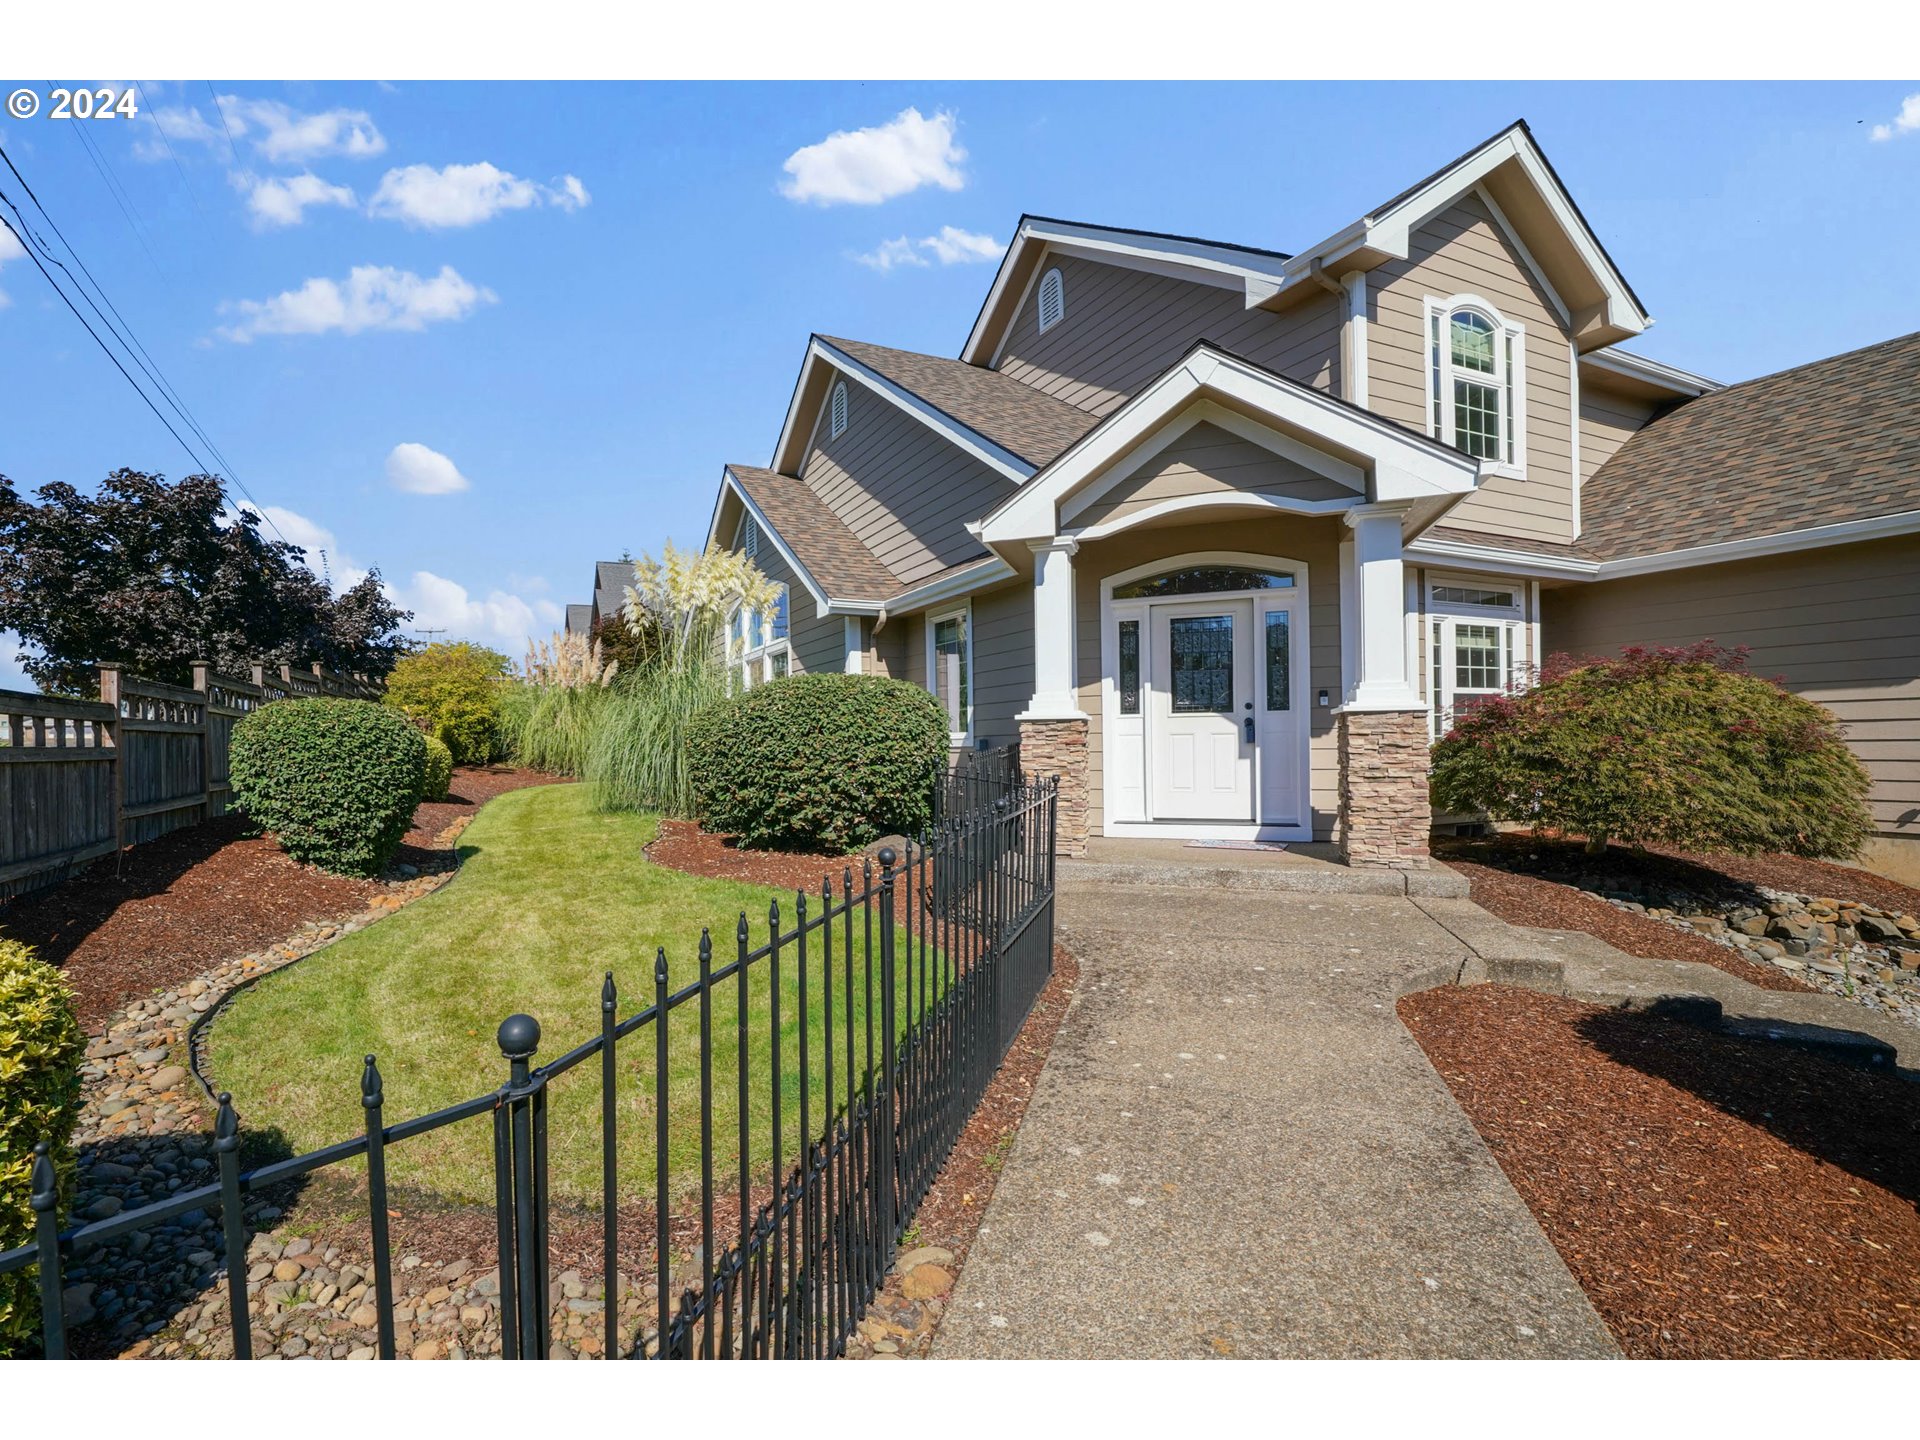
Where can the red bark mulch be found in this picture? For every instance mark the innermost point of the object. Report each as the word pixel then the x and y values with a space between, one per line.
pixel 1523 898
pixel 181 904
pixel 1714 1197
pixel 683 845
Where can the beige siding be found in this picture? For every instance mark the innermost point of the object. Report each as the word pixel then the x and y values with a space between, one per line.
pixel 1207 460
pixel 1463 251
pixel 817 640
pixel 1840 626
pixel 1313 541
pixel 1123 327
pixel 1002 674
pixel 1606 420
pixel 901 488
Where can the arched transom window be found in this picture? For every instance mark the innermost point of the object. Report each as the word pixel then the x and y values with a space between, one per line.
pixel 1476 381
pixel 1203 580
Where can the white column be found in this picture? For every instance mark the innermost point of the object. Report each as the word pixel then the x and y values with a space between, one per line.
pixel 1383 673
pixel 1357 331
pixel 854 646
pixel 1054 695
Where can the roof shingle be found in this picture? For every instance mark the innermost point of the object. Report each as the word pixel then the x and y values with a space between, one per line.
pixel 1834 440
pixel 842 566
pixel 1016 417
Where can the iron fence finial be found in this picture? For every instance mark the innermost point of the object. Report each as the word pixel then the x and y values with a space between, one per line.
pixel 372 1091
pixel 660 969
pixel 887 857
pixel 608 996
pixel 519 1037
pixel 226 1124
pixel 46 1181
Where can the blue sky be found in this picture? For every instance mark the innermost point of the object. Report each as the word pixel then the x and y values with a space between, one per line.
pixel 567 344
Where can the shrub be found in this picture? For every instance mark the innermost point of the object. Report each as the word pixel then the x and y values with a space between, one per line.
pixel 40 1050
pixel 822 763
pixel 438 776
pixel 550 721
pixel 456 691
pixel 638 757
pixel 1666 746
pixel 335 781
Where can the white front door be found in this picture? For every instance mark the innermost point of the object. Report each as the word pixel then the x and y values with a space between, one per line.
pixel 1203 721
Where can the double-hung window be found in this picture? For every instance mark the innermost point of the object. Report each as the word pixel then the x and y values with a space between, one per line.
pixel 760 645
pixel 1476 647
pixel 950 671
pixel 1476 382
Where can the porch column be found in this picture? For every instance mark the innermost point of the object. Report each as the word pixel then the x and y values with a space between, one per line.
pixel 1385 818
pixel 1053 728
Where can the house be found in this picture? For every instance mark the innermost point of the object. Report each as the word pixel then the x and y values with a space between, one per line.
pixel 1224 536
pixel 610 581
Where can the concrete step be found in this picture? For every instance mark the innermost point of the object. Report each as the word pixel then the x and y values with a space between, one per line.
pixel 1312 878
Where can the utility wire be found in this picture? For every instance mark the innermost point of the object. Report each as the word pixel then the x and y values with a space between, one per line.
pixel 221 112
pixel 119 197
pixel 154 117
pixel 129 341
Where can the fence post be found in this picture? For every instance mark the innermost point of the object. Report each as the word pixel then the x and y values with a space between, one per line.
pixel 519 1038
pixel 233 1224
pixel 110 695
pixel 45 1200
pixel 373 1094
pixel 886 1179
pixel 202 673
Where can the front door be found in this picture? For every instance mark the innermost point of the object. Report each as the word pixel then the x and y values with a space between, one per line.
pixel 1202 725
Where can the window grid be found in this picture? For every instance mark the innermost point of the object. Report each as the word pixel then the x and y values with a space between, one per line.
pixel 1279 660
pixel 1474 380
pixel 1129 667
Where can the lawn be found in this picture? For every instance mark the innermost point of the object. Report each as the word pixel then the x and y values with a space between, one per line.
pixel 551 895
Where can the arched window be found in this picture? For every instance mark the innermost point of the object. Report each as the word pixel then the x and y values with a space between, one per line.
pixel 1476 373
pixel 837 423
pixel 1203 580
pixel 1053 300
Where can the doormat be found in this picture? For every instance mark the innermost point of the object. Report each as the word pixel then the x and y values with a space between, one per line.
pixel 1236 844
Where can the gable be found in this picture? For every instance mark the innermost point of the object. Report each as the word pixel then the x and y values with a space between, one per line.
pixel 904 491
pixel 1204 463
pixel 1124 325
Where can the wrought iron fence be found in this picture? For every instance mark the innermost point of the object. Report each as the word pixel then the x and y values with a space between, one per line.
pixel 938 958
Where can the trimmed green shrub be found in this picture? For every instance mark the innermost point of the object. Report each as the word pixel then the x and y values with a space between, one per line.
pixel 438 777
pixel 1660 746
pixel 820 763
pixel 456 691
pixel 41 1044
pixel 334 781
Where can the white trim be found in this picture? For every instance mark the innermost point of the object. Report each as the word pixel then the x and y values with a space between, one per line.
pixel 1404 466
pixel 989 572
pixel 1194 260
pixel 1517 633
pixel 957 739
pixel 1357 337
pixel 837 409
pixel 1059 282
pixel 1526 255
pixel 1221 500
pixel 1513 562
pixel 1510 376
pixel 1302 697
pixel 819 352
pixel 852 646
pixel 1573 437
pixel 729 482
pixel 1651 372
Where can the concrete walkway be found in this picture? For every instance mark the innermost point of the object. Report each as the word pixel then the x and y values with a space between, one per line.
pixel 1237 1149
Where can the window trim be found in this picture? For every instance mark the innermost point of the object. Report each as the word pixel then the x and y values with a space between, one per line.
pixel 753 665
pixel 1054 278
pixel 956 739
pixel 837 410
pixel 1510 358
pixel 1440 622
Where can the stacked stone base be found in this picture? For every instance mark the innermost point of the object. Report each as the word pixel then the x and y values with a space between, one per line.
pixel 1059 747
pixel 1386 820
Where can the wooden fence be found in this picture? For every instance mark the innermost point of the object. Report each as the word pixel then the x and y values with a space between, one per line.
pixel 84 778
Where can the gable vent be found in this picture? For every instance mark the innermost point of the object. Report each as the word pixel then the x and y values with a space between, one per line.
pixel 749 538
pixel 838 424
pixel 1053 300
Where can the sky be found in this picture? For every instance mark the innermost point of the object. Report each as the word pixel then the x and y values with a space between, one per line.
pixel 480 336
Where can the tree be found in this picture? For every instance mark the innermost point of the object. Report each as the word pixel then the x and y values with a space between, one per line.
pixel 1676 746
pixel 155 576
pixel 454 692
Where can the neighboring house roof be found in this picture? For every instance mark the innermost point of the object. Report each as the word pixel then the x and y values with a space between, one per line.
pixel 820 541
pixel 1016 417
pixel 610 581
pixel 579 619
pixel 1825 443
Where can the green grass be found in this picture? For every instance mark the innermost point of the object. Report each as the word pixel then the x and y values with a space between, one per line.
pixel 551 895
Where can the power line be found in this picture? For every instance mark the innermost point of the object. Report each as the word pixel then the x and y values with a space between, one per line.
pixel 151 367
pixel 118 195
pixel 221 112
pixel 154 116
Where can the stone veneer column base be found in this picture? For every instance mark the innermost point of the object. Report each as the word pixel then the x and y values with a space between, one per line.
pixel 1386 819
pixel 1059 747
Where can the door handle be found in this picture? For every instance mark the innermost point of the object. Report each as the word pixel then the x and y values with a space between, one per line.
pixel 1248 722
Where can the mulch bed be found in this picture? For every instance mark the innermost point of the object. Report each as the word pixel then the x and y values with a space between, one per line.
pixel 1714 1197
pixel 177 906
pixel 1521 897
pixel 683 845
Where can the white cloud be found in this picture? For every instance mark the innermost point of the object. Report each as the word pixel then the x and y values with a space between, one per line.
pixel 372 297
pixel 864 167
pixel 952 246
pixel 282 134
pixel 420 471
pixel 457 195
pixel 280 200
pixel 1905 123
pixel 10 249
pixel 182 123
